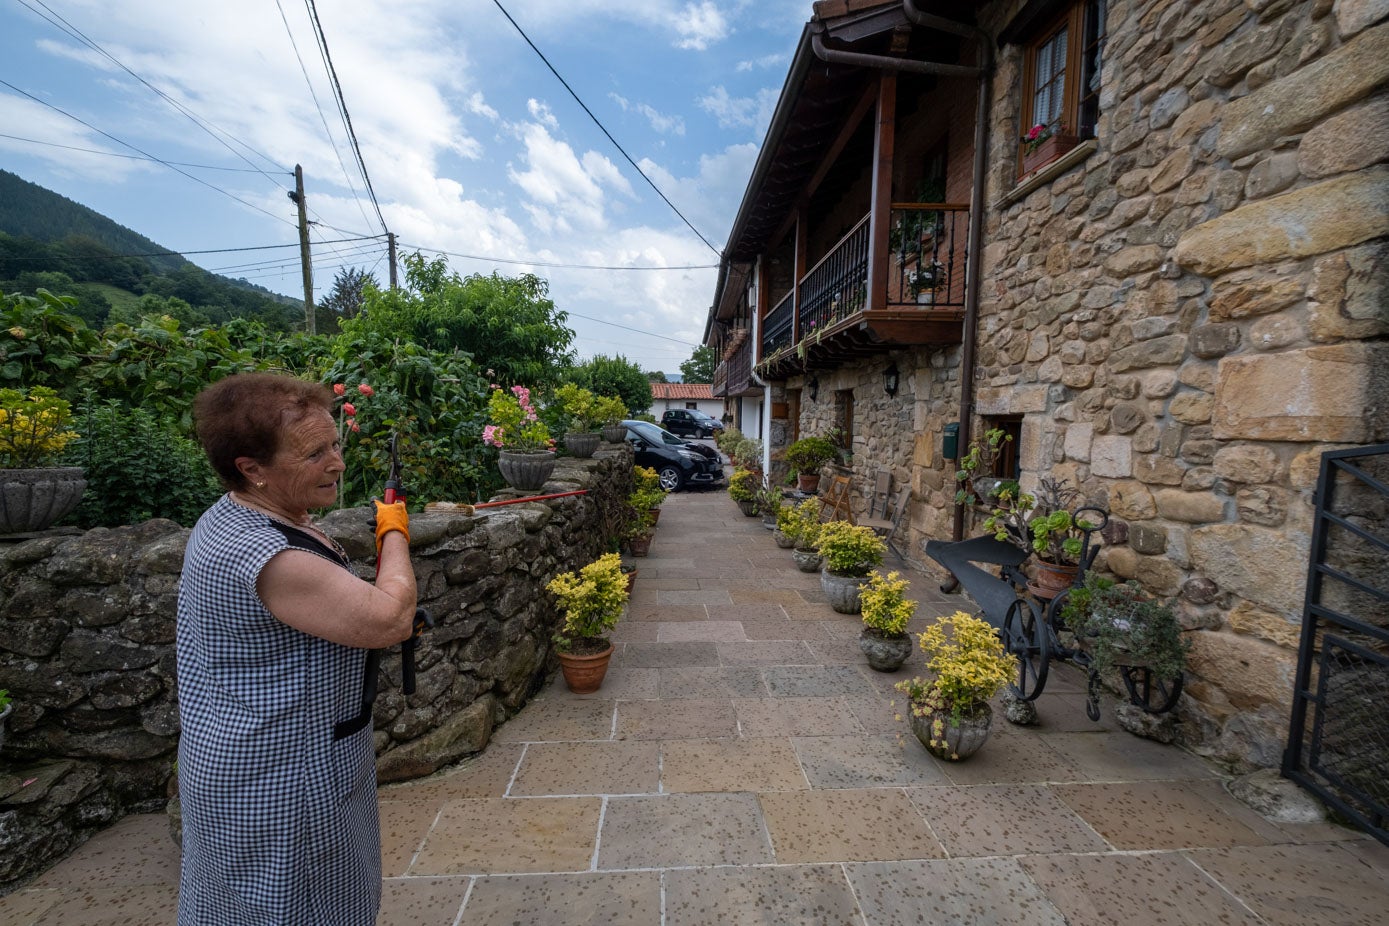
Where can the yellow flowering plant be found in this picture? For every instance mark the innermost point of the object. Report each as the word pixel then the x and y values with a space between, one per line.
pixel 969 667
pixel 743 485
pixel 610 410
pixel 801 523
pixel 850 549
pixel 33 427
pixel 885 607
pixel 592 601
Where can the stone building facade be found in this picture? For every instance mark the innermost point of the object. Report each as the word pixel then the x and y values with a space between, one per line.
pixel 1178 316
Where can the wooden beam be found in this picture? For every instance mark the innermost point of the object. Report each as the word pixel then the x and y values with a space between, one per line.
pixel 846 132
pixel 880 204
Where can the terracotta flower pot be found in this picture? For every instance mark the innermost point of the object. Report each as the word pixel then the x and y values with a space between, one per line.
pixel 630 574
pixel 584 674
pixel 1052 579
pixel 526 470
pixel 640 546
pixel 655 515
pixel 808 482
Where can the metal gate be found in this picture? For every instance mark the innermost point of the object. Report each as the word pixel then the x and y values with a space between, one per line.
pixel 1338 744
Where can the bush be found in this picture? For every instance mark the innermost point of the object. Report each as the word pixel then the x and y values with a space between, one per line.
pixel 743 486
pixel 139 467
pixel 850 549
pixel 808 454
pixel 592 601
pixel 801 523
pixel 885 606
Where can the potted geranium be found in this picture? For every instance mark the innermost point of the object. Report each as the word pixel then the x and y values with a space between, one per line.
pixel 923 281
pixel 1044 143
pixel 806 456
pixel 611 411
pixel 527 454
pixel 581 440
pixel 886 611
pixel 34 491
pixel 851 551
pixel 592 602
pixel 950 712
pixel 742 488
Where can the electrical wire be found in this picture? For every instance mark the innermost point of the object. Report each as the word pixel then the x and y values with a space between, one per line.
pixel 132 157
pixel 600 125
pixel 321 117
pixel 342 108
pixel 259 247
pixel 127 144
pixel 601 321
pixel 541 263
pixel 207 126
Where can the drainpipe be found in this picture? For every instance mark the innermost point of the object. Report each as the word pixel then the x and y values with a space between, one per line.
pixel 766 422
pixel 976 199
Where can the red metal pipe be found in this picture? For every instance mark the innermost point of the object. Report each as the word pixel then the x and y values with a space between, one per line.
pixel 531 498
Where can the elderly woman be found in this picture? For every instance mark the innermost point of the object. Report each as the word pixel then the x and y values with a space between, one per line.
pixel 276 767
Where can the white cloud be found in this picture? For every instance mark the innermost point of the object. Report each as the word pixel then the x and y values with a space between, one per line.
pixel 660 122
pixel 765 62
pixel 700 25
pixel 565 192
pixel 753 112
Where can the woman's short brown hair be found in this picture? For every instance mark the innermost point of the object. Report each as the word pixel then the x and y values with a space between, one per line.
pixel 245 415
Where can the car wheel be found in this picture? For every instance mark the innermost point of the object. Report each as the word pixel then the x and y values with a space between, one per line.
pixel 671 478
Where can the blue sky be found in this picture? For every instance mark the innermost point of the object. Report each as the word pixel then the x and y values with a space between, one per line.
pixel 471 144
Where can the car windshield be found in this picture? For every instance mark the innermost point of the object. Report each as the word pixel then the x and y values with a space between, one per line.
pixel 654 434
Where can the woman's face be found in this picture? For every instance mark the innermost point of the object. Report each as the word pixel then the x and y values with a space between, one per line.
pixel 304 471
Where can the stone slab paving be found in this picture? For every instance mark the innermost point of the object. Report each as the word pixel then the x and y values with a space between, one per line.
pixel 741 764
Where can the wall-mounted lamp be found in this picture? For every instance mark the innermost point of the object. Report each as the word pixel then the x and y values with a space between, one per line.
pixel 891 377
pixel 814 389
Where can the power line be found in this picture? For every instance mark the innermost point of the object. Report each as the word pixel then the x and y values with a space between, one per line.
pixel 342 108
pixel 626 328
pixel 321 117
pixel 259 247
pixel 541 263
pixel 64 26
pixel 600 125
pixel 127 144
pixel 132 157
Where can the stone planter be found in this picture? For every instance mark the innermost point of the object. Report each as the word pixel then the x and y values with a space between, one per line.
pixel 885 653
pixel 843 592
pixel 584 674
pixel 614 433
pixel 807 560
pixel 748 508
pixel 926 297
pixel 582 444
pixel 782 540
pixel 769 521
pixel 954 743
pixel 33 499
pixel 526 471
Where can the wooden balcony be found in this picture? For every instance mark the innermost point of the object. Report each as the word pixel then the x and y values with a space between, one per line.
pixel 835 322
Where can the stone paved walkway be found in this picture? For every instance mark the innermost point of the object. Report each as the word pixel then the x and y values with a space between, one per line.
pixel 742 765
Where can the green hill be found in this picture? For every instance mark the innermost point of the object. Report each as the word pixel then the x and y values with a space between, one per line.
pixel 48 241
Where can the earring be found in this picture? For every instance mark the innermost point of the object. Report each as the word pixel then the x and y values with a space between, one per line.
pixel 260 485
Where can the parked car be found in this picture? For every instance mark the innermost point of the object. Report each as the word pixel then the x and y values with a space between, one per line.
pixel 688 422
pixel 677 461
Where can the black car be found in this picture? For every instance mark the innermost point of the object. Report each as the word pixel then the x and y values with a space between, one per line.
pixel 687 421
pixel 678 461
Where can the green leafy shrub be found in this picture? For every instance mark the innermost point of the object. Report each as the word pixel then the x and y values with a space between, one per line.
pixel 850 549
pixel 885 605
pixel 801 523
pixel 33 427
pixel 743 486
pixel 139 467
pixel 592 602
pixel 808 454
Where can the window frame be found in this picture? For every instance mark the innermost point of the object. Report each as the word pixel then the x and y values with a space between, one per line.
pixel 1081 43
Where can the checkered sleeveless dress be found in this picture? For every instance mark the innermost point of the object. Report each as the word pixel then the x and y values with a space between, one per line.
pixel 280 822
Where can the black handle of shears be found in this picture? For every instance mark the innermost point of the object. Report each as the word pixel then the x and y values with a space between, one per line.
pixel 423 620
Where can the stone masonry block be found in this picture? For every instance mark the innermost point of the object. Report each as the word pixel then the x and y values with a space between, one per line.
pixel 1329 393
pixel 1190 507
pixel 1347 141
pixel 1310 220
pixel 1078 439
pixel 1263 565
pixel 1299 100
pixel 1246 463
pixel 1111 455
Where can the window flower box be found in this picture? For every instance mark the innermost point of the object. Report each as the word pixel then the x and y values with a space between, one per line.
pixel 1047 151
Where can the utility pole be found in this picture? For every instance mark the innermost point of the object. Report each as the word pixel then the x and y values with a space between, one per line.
pixel 390 240
pixel 298 197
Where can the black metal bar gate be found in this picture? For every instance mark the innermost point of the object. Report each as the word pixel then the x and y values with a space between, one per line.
pixel 1338 742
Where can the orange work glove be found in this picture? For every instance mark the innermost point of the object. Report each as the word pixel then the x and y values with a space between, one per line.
pixel 390 518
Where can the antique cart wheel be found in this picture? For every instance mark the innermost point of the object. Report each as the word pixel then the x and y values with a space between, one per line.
pixel 1026 636
pixel 1146 690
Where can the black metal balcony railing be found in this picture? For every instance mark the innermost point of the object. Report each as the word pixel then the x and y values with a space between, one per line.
pixel 837 286
pixel 777 330
pixel 928 244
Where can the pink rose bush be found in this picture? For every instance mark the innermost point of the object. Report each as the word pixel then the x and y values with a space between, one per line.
pixel 514 423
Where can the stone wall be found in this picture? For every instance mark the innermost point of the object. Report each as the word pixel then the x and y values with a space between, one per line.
pixel 1191 315
pixel 86 651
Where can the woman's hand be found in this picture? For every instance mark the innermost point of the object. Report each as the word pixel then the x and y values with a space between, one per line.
pixel 392 517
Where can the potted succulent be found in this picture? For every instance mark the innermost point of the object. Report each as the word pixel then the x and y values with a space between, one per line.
pixel 851 551
pixel 950 712
pixel 611 411
pixel 886 611
pixel 581 440
pixel 34 491
pixel 806 456
pixel 801 523
pixel 592 602
pixel 742 488
pixel 527 455
pixel 978 486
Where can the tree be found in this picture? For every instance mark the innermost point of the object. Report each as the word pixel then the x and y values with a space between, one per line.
pixel 700 367
pixel 345 299
pixel 508 324
pixel 615 376
pixel 656 376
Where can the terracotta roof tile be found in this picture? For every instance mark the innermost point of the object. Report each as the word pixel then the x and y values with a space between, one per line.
pixel 667 391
